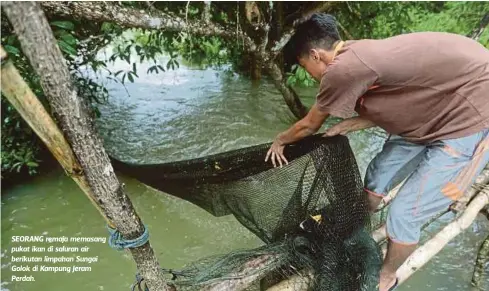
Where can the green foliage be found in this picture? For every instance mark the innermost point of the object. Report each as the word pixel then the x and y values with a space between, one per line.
pixel 300 77
pixel 455 17
pixel 19 146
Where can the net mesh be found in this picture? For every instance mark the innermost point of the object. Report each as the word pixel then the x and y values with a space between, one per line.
pixel 312 216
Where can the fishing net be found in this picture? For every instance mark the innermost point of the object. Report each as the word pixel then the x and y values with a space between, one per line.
pixel 312 216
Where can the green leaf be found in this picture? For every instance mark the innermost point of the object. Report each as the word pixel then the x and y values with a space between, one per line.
pixel 67 48
pixel 301 73
pixel 12 50
pixel 129 76
pixel 69 39
pixel 134 67
pixel 161 68
pixel 64 24
pixel 118 72
pixel 106 27
pixel 32 164
pixel 291 81
pixel 123 78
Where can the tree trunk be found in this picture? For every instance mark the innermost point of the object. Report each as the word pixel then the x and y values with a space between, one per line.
pixel 279 28
pixel 255 67
pixel 291 99
pixel 480 263
pixel 39 46
pixel 206 14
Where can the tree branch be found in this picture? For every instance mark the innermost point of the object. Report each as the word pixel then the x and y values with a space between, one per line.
pixel 279 44
pixel 476 33
pixel 290 96
pixel 206 14
pixel 266 29
pixel 136 18
pixel 345 31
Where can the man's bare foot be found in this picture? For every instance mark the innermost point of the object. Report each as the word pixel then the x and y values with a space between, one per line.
pixel 387 281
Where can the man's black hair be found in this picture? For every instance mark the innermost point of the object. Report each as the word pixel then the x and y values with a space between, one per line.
pixel 318 30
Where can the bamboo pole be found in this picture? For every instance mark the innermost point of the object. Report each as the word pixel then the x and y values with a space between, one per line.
pixel 33 112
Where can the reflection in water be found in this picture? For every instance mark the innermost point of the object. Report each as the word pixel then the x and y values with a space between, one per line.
pixel 172 116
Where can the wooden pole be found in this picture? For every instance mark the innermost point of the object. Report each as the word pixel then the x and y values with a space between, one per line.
pixel 33 112
pixel 40 47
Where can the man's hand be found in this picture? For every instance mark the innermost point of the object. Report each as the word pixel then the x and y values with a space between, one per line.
pixel 348 125
pixel 276 153
pixel 302 128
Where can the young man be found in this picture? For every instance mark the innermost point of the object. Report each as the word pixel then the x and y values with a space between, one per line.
pixel 430 91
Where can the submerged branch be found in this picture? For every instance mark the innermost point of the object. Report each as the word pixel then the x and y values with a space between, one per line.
pixel 480 262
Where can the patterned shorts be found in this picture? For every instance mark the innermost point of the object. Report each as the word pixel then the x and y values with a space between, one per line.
pixel 435 175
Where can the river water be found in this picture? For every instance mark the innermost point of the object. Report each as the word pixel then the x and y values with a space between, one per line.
pixel 172 116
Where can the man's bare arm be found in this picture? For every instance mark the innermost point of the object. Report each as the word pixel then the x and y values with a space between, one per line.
pixel 349 125
pixel 309 125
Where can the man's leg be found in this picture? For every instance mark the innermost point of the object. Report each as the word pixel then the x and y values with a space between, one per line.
pixel 397 253
pixel 447 169
pixel 390 167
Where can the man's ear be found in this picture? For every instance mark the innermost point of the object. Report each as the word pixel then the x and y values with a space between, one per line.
pixel 314 55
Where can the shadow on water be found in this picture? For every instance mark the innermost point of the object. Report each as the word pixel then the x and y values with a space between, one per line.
pixel 177 115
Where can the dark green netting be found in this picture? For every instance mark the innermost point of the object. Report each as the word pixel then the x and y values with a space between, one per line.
pixel 322 178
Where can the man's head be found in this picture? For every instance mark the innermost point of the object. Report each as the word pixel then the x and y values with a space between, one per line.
pixel 314 42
